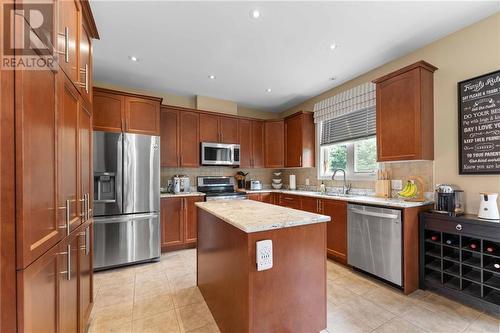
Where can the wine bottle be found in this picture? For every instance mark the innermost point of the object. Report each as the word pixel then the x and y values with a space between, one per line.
pixel 473 245
pixel 434 238
pixel 449 242
pixel 497 266
pixel 490 249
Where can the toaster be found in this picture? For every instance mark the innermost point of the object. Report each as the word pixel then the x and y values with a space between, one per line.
pixel 253 185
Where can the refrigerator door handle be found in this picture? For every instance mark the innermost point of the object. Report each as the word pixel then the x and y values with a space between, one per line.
pixel 119 174
pixel 124 218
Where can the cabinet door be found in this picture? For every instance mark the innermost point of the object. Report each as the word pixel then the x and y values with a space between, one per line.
pixel 209 128
pixel 257 144
pixel 36 202
pixel 254 196
pixel 275 198
pixel 68 284
pixel 172 232
pixel 191 219
pixel 85 274
pixel 169 134
pixel 293 141
pixel 274 140
pixel 108 111
pixel 142 116
pixel 67 143
pixel 37 294
pixel 245 140
pixel 398 117
pixel 265 197
pixel 67 37
pixel 310 204
pixel 290 201
pixel 189 139
pixel 85 64
pixel 336 239
pixel 228 130
pixel 85 157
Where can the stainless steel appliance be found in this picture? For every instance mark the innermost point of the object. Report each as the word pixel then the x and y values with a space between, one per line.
pixel 126 198
pixel 253 184
pixel 374 238
pixel 220 153
pixel 449 200
pixel 219 188
pixel 180 184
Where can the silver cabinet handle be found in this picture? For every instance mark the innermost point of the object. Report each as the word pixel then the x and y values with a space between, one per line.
pixel 68 216
pixel 87 240
pixel 85 84
pixel 458 227
pixel 368 213
pixel 300 160
pixel 66 44
pixel 68 276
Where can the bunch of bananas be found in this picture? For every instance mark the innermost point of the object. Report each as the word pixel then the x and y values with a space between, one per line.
pixel 409 191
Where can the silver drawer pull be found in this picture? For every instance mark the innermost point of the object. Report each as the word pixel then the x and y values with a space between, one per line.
pixel 458 227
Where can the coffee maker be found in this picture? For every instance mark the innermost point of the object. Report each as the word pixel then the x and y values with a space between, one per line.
pixel 449 200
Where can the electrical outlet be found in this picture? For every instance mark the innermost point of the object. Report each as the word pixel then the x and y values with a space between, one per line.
pixel 307 181
pixel 264 254
pixel 397 184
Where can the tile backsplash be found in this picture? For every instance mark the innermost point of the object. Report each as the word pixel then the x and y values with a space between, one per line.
pixel 398 170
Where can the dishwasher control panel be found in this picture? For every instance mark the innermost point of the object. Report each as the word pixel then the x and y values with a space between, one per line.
pixel 264 254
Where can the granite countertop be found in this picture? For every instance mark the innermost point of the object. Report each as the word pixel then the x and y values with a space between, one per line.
pixel 362 199
pixel 253 216
pixel 190 194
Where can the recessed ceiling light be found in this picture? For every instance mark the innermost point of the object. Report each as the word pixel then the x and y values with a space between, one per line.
pixel 211 77
pixel 133 58
pixel 333 78
pixel 255 14
pixel 268 90
pixel 333 46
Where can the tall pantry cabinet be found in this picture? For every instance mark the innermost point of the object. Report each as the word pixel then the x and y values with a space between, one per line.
pixel 46 243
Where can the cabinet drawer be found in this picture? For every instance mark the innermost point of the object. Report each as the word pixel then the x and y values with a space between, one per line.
pixel 461 227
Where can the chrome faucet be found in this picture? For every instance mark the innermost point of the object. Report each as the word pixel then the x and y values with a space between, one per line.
pixel 345 188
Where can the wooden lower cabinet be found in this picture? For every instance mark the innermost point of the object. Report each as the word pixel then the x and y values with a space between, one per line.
pixel 55 293
pixel 336 231
pixel 178 222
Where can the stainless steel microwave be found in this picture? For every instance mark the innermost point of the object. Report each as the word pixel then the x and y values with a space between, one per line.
pixel 220 153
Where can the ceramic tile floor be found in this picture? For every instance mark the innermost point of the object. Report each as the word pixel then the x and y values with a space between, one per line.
pixel 163 297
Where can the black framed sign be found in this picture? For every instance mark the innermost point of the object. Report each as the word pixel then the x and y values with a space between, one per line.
pixel 479 125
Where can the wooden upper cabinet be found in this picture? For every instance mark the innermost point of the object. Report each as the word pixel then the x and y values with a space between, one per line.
pixel 228 129
pixel 246 151
pixel 299 140
pixel 85 64
pixel 37 228
pixel 142 116
pixel 169 135
pixel 257 144
pixel 68 143
pixel 189 139
pixel 405 129
pixel 209 128
pixel 274 141
pixel 116 111
pixel 214 128
pixel 336 229
pixel 68 25
pixel 108 111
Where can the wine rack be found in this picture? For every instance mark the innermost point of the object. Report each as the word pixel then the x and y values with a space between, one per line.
pixel 460 257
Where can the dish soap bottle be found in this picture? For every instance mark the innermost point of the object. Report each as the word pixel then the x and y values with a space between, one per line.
pixel 322 188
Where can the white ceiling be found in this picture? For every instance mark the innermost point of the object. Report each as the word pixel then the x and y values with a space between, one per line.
pixel 179 44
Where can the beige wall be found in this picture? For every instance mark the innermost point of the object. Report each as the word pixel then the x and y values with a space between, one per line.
pixel 197 102
pixel 467 53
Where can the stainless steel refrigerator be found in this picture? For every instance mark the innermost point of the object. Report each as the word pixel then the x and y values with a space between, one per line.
pixel 126 199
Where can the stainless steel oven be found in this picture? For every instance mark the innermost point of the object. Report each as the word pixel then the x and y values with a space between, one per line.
pixel 220 153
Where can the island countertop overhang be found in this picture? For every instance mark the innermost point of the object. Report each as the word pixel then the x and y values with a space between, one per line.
pixel 252 216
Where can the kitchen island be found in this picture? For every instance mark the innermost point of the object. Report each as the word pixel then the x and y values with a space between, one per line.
pixel 288 297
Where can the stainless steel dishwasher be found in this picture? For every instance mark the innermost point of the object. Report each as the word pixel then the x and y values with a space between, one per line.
pixel 375 241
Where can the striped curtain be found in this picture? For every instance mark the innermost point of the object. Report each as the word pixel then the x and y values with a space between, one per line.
pixel 355 99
